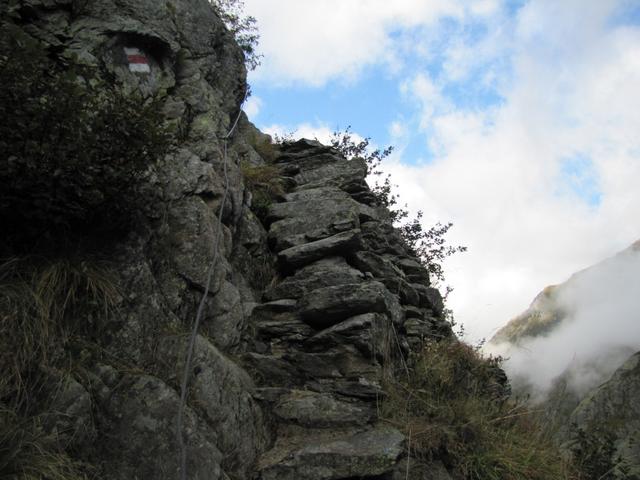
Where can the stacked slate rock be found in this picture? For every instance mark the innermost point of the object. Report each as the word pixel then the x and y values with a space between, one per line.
pixel 351 304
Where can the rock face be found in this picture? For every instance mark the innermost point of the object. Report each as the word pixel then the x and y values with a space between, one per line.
pixel 611 414
pixel 308 309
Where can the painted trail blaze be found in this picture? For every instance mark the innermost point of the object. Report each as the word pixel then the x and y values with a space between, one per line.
pixel 137 60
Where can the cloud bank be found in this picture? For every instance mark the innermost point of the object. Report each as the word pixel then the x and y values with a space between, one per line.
pixel 600 332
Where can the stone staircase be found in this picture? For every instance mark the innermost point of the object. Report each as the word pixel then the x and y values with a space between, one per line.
pixel 352 304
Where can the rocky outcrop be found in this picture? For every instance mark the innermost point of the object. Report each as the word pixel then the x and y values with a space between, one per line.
pixel 307 312
pixel 332 328
pixel 609 418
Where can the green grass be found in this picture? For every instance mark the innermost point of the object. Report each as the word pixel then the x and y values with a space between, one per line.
pixel 453 406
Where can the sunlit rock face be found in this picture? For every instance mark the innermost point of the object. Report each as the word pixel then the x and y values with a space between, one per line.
pixel 308 307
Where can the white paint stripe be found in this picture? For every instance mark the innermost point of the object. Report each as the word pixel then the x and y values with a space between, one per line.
pixel 139 68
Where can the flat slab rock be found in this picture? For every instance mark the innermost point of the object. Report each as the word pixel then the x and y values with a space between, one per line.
pixel 326 272
pixel 321 410
pixel 364 454
pixel 301 255
pixel 325 307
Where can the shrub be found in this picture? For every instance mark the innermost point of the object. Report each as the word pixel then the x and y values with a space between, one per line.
pixel 453 405
pixel 242 27
pixel 72 149
pixel 428 245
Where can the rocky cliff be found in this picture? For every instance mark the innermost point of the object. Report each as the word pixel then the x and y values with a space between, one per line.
pixel 307 309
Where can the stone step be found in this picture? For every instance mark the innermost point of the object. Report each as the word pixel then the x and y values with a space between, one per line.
pixel 340 244
pixel 326 272
pixel 288 368
pixel 348 454
pixel 322 410
pixel 327 306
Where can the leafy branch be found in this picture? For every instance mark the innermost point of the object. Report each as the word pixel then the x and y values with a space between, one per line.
pixel 429 245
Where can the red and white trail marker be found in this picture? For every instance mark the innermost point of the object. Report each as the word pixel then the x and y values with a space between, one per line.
pixel 138 61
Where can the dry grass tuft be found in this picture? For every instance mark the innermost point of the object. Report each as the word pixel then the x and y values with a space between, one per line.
pixel 44 303
pixel 453 405
pixel 265 184
pixel 27 454
pixel 267 149
pixel 41 306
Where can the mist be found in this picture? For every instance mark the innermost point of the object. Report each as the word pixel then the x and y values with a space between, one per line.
pixel 600 331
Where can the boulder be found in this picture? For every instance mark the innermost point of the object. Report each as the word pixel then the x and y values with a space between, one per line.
pixel 69 417
pixel 430 298
pixel 368 332
pixel 221 392
pixel 139 437
pixel 342 174
pixel 306 221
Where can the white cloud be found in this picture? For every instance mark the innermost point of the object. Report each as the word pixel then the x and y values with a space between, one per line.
pixel 496 174
pixel 252 107
pixel 314 42
pixel 600 332
pixel 314 131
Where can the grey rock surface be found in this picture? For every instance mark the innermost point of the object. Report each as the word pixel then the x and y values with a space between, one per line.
pixel 369 453
pixel 70 418
pixel 139 438
pixel 300 255
pixel 326 272
pixel 611 412
pixel 324 307
pixel 321 410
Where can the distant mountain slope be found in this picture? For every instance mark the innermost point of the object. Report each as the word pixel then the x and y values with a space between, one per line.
pixel 553 306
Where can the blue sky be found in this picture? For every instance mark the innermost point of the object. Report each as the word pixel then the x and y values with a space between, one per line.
pixel 516 120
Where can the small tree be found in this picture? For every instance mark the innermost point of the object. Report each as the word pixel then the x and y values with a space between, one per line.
pixel 243 27
pixel 428 245
pixel 72 148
